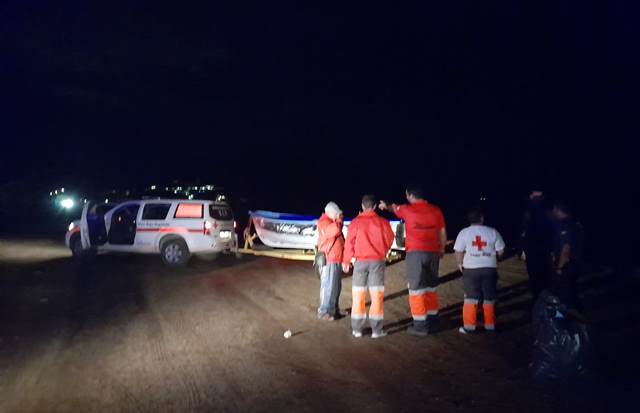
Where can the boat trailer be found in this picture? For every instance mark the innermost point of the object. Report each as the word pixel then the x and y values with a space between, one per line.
pixel 252 248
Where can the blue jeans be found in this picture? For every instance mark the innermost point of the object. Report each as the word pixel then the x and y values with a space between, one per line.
pixel 330 287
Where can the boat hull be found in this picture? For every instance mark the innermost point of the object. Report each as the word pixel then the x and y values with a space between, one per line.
pixel 282 230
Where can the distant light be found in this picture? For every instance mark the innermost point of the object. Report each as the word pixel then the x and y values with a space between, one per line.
pixel 62 190
pixel 85 201
pixel 72 226
pixel 67 203
pixel 106 201
pixel 50 193
pixel 56 192
pixel 153 187
pixel 191 196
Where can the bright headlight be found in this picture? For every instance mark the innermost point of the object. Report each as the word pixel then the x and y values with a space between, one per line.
pixel 72 226
pixel 67 203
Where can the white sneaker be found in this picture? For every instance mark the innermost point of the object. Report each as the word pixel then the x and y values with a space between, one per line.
pixel 463 330
pixel 379 335
pixel 356 334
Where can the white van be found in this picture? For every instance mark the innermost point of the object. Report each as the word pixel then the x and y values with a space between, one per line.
pixel 174 228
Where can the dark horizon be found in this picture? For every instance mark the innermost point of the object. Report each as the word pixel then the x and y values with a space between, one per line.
pixel 298 105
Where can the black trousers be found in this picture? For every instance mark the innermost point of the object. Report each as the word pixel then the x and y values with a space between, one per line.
pixel 480 284
pixel 564 286
pixel 538 268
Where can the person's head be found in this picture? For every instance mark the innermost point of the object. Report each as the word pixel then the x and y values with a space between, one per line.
pixel 561 210
pixel 475 216
pixel 333 211
pixel 414 193
pixel 536 194
pixel 368 202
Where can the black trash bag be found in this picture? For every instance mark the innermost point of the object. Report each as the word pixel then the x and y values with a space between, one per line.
pixel 542 310
pixel 562 347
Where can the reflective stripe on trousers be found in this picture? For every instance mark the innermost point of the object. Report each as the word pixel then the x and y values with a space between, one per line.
pixel 422 277
pixel 423 303
pixel 368 276
pixel 470 311
pixel 479 283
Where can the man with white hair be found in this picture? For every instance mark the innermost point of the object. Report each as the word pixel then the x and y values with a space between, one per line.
pixel 331 244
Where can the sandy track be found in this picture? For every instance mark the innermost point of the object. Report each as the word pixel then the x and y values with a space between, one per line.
pixel 126 334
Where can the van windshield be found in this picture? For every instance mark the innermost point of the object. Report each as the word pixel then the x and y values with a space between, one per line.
pixel 220 212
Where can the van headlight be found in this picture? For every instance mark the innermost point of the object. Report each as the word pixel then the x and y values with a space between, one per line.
pixel 72 226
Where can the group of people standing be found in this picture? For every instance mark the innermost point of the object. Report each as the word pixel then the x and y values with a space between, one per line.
pixel 477 249
pixel 369 238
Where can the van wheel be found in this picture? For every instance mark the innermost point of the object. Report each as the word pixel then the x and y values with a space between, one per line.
pixel 175 252
pixel 80 253
pixel 76 247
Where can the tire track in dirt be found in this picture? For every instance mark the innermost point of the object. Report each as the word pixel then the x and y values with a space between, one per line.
pixel 156 335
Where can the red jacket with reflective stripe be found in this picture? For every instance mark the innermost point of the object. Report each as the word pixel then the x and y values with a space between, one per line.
pixel 368 239
pixel 423 223
pixel 330 232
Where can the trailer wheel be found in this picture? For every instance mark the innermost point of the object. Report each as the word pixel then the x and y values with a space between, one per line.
pixel 175 252
pixel 209 256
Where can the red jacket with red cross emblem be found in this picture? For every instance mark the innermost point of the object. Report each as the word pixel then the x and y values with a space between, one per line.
pixel 369 238
pixel 330 239
pixel 423 223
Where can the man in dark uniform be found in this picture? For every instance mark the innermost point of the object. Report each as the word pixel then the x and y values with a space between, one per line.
pixel 567 254
pixel 537 242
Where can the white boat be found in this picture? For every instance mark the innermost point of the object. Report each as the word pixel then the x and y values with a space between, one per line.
pixel 293 231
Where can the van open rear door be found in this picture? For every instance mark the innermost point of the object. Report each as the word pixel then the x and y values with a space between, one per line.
pixel 93 231
pixel 85 239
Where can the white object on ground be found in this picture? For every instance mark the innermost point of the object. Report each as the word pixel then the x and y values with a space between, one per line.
pixel 288 334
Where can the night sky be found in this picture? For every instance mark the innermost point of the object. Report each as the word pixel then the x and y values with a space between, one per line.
pixel 300 102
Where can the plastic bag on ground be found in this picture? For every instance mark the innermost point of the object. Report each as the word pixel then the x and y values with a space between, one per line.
pixel 562 346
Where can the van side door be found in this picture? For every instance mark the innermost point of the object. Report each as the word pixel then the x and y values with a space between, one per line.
pixel 123 219
pixel 153 217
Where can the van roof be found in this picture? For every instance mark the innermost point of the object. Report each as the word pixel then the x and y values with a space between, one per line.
pixel 205 201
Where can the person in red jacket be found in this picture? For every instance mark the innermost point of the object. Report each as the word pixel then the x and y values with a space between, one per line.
pixel 331 243
pixel 426 237
pixel 369 238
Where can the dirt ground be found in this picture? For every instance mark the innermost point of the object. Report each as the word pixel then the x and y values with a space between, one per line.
pixel 123 333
